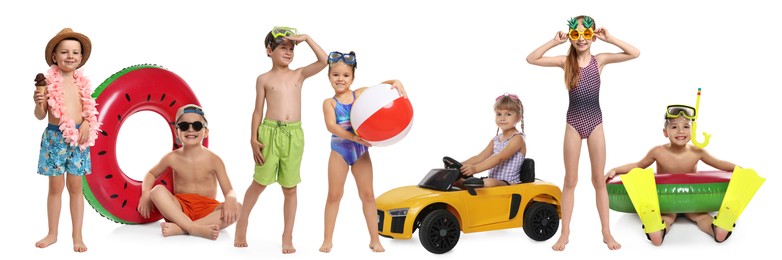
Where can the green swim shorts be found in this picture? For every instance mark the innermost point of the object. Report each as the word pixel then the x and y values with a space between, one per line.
pixel 283 149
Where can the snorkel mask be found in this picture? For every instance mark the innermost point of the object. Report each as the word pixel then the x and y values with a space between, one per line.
pixel 348 58
pixel 280 32
pixel 674 111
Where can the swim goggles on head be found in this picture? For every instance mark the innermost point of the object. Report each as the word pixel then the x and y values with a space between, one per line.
pixel 348 58
pixel 574 34
pixel 280 32
pixel 184 126
pixel 674 111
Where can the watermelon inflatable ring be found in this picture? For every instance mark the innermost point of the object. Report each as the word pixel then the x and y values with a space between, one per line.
pixel 678 193
pixel 137 88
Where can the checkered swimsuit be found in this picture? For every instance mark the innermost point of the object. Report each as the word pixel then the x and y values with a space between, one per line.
pixel 509 169
pixel 584 113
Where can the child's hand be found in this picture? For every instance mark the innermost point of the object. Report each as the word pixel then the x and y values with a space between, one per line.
pixel 468 169
pixel 39 98
pixel 610 174
pixel 144 205
pixel 296 39
pixel 561 37
pixel 602 34
pixel 230 212
pixel 84 132
pixel 361 141
pixel 257 155
pixel 398 86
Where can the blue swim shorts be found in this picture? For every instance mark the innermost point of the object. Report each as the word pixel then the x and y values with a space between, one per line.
pixel 58 157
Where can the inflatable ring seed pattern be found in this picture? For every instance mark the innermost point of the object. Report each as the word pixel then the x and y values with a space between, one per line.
pixel 138 88
pixel 678 193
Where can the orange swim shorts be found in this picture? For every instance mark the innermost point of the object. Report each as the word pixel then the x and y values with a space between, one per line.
pixel 196 206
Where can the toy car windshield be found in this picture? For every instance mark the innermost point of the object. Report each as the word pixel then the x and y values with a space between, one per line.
pixel 439 179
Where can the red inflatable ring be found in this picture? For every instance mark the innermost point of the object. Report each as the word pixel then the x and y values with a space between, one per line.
pixel 137 88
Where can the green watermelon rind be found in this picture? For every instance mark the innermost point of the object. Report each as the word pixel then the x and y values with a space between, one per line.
pixel 88 195
pixel 97 206
pixel 121 73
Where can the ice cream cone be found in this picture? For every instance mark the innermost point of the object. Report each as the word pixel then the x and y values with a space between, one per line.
pixel 40 89
pixel 40 83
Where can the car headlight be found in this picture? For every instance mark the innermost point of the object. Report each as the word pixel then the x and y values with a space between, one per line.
pixel 398 212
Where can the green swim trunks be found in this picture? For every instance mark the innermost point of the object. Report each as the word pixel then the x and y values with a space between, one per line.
pixel 283 149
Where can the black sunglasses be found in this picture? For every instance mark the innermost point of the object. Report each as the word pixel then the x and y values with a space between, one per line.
pixel 184 126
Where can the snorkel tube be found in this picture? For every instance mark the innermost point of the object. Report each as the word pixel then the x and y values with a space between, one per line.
pixel 695 125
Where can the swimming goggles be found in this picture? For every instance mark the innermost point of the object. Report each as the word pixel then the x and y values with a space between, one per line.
pixel 574 34
pixel 280 32
pixel 674 111
pixel 184 126
pixel 348 58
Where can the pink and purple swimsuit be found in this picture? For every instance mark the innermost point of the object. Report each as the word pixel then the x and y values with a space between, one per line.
pixel 584 113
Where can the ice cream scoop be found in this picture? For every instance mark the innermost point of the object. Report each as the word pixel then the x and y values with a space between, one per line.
pixel 40 83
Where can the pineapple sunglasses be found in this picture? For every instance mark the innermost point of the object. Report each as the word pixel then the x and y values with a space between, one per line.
pixel 588 34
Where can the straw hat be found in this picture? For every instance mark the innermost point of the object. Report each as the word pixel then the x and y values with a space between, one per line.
pixel 66 33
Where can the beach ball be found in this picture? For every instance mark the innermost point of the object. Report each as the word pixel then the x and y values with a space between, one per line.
pixel 380 116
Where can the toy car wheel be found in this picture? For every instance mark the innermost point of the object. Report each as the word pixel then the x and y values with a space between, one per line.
pixel 439 231
pixel 541 221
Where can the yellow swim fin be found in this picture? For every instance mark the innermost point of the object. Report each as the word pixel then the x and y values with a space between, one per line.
pixel 742 186
pixel 642 190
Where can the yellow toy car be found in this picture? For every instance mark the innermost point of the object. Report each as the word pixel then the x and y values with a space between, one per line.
pixel 442 211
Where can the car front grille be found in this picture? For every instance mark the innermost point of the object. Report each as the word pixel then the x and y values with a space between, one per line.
pixel 398 224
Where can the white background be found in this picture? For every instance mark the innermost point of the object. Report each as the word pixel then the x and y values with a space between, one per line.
pixel 453 59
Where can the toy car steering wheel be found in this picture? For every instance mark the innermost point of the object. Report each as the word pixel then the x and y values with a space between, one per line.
pixel 450 163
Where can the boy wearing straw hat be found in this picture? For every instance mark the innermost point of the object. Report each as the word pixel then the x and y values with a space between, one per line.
pixel 277 140
pixel 73 128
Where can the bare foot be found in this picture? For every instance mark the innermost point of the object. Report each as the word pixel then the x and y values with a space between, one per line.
pixel 240 238
pixel 720 234
pixel 78 246
pixel 207 231
pixel 656 237
pixel 171 229
pixel 561 242
pixel 288 249
pixel 376 247
pixel 46 241
pixel 326 247
pixel 287 245
pixel 240 241
pixel 611 243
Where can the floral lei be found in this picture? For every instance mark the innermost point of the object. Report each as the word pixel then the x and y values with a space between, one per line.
pixel 56 103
